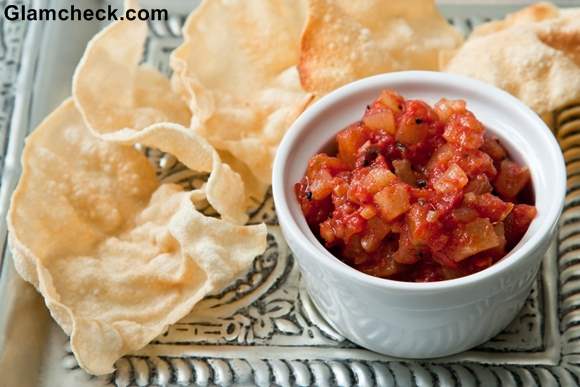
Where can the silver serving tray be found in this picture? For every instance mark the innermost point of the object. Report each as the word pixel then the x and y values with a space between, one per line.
pixel 263 329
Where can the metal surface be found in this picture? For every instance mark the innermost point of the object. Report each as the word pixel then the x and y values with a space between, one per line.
pixel 263 329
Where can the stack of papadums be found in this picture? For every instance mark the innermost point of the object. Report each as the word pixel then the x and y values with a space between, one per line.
pixel 117 254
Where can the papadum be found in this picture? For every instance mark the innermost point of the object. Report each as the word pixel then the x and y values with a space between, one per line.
pixel 347 40
pixel 116 255
pixel 113 92
pixel 244 99
pixel 533 54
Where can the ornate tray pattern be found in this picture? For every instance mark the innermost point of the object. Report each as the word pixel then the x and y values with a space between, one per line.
pixel 264 330
pixel 11 37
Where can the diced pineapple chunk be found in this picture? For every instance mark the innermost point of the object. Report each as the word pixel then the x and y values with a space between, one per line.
pixel 411 131
pixel 321 185
pixel 323 161
pixel 392 100
pixel 377 179
pixel 349 141
pixel 441 158
pixel 464 214
pixel 474 237
pixel 327 232
pixel 382 120
pixel 452 180
pixel 446 107
pixel 392 201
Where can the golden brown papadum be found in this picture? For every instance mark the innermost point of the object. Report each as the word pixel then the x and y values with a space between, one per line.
pixel 533 54
pixel 237 71
pixel 532 14
pixel 119 99
pixel 113 92
pixel 347 40
pixel 116 255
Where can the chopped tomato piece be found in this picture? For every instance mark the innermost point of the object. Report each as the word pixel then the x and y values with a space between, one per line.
pixel 493 148
pixel 479 185
pixel 499 251
pixel 488 206
pixel 512 178
pixel 374 234
pixel 517 223
pixel 384 266
pixel 476 162
pixel 315 211
pixel 464 130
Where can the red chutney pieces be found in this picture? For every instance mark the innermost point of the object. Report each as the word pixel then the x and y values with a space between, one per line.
pixel 417 193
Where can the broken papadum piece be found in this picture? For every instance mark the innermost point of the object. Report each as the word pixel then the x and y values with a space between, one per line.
pixel 116 255
pixel 347 40
pixel 534 54
pixel 244 101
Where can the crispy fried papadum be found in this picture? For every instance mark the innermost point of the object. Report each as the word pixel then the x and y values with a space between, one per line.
pixel 116 255
pixel 113 92
pixel 533 54
pixel 237 70
pixel 531 14
pixel 118 98
pixel 347 40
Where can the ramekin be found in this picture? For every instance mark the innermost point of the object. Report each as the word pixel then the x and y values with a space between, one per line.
pixel 421 320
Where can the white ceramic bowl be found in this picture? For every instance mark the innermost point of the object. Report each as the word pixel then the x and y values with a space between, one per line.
pixel 421 320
